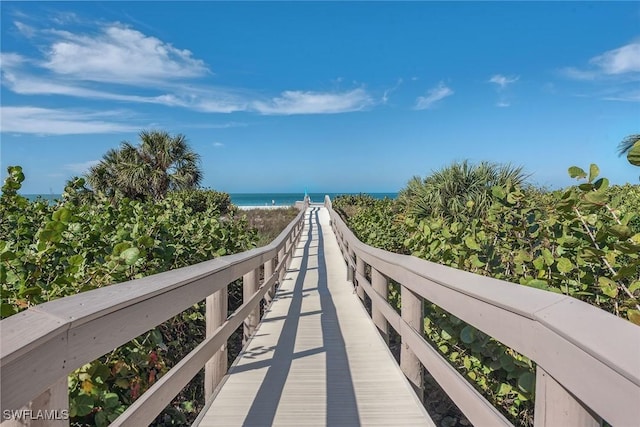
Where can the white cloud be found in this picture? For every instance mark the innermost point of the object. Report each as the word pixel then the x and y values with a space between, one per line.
pixel 119 55
pixel 44 121
pixel 300 102
pixel 624 60
pixel 503 104
pixel 503 81
pixel 80 168
pixel 218 144
pixel 433 95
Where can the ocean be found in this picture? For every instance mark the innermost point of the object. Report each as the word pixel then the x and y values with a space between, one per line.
pixel 257 199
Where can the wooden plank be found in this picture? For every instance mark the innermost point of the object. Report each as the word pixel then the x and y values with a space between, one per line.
pixel 316 358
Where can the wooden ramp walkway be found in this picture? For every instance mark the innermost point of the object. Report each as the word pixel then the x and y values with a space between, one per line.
pixel 316 359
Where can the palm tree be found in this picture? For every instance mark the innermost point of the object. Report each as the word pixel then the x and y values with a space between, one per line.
pixel 161 163
pixel 458 191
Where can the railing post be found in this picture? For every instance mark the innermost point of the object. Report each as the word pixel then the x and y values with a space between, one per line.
pixel 412 313
pixel 283 270
pixel 360 270
pixel 53 402
pixel 555 406
pixel 381 287
pixel 250 287
pixel 216 315
pixel 268 272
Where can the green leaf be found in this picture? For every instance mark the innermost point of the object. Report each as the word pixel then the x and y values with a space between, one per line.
pixel 504 389
pixel 81 405
pixel 506 362
pixel 538 283
pixel 564 265
pixel 634 316
pixel 596 198
pixel 526 382
pixel 498 192
pixel 602 184
pixel 634 286
pixel 7 310
pixel 608 287
pixel 130 256
pixel 594 171
pixel 576 172
pixel 622 232
pixel 471 243
pixel 468 334
pixel 633 156
pixel 548 257
pixel 111 400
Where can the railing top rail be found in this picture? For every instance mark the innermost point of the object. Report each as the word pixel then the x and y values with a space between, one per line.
pixel 548 319
pixel 50 324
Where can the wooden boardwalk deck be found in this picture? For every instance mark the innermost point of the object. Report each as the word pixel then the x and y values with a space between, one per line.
pixel 316 359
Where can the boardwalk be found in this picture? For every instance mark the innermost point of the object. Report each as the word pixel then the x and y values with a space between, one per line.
pixel 316 359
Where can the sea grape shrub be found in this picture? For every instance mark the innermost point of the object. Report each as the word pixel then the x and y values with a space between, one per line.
pixel 583 242
pixel 379 223
pixel 85 241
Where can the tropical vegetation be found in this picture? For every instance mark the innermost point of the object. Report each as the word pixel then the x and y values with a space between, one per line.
pixel 159 164
pixel 583 241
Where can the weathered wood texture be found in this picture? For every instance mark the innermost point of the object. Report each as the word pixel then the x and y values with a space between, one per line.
pixel 590 353
pixel 42 345
pixel 316 358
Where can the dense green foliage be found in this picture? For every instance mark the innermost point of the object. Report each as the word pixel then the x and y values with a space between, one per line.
pixel 583 242
pixel 161 163
pixel 83 242
pixel 460 190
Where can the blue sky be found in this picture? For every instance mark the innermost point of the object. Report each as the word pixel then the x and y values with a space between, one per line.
pixel 333 97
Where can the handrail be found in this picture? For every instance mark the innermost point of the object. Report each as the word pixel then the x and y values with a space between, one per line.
pixel 42 345
pixel 588 361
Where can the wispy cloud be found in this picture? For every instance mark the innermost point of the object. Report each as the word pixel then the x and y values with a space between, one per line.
pixel 44 121
pixel 119 63
pixel 385 96
pixel 218 144
pixel 624 60
pixel 301 102
pixel 80 168
pixel 433 95
pixel 617 70
pixel 503 81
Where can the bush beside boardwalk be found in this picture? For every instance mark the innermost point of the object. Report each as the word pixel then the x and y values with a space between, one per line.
pixel 85 241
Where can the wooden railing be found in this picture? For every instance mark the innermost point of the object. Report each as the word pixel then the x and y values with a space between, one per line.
pixel 42 345
pixel 587 360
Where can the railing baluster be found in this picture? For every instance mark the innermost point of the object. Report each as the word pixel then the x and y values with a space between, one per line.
pixel 555 406
pixel 250 282
pixel 360 269
pixel 216 314
pixel 268 272
pixel 381 286
pixel 412 313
